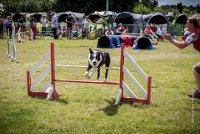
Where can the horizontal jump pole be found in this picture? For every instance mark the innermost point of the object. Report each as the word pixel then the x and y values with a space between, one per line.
pixel 89 82
pixel 74 66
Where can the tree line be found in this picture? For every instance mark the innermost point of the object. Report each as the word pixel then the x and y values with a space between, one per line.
pixel 89 6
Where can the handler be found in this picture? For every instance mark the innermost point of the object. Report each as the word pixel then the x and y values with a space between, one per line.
pixel 193 25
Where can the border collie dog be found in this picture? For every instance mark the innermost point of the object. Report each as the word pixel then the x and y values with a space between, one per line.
pixel 96 59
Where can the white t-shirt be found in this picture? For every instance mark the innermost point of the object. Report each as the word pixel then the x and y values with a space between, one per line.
pixel 54 21
pixel 86 24
pixel 160 31
pixel 44 22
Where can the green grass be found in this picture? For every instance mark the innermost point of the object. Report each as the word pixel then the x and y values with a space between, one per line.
pixel 88 108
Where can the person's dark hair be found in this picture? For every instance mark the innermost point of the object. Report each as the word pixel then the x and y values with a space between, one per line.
pixel 195 20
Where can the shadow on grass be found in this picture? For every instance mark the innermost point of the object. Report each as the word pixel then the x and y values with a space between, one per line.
pixel 111 109
pixel 64 101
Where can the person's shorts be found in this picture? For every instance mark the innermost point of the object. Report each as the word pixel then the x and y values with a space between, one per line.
pixel 197 67
pixel 1 28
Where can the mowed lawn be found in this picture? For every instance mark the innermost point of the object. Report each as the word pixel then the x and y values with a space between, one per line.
pixel 88 108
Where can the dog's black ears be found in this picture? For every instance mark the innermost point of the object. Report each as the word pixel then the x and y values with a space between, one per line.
pixel 90 51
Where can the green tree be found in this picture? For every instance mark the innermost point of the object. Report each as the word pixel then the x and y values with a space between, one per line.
pixel 186 10
pixel 198 8
pixel 159 9
pixel 180 7
pixel 141 9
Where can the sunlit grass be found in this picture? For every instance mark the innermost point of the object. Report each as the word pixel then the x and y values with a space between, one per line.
pixel 87 108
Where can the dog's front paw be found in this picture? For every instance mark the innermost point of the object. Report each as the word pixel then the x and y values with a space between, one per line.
pixel 105 80
pixel 86 74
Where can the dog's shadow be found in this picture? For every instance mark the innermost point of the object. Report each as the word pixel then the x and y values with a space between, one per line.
pixel 111 109
pixel 59 100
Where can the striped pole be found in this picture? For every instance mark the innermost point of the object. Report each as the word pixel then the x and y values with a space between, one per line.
pixel 121 70
pixel 53 71
pixel 149 90
pixel 28 83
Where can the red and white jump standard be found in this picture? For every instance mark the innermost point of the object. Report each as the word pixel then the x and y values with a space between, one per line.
pixel 123 87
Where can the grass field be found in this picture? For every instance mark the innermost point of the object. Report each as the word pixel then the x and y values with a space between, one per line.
pixel 88 108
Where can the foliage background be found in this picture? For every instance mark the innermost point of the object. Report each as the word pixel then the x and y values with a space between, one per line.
pixel 89 6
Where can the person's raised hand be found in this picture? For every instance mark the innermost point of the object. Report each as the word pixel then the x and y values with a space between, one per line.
pixel 166 36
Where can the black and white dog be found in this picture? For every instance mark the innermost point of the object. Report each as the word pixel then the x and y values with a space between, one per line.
pixel 96 59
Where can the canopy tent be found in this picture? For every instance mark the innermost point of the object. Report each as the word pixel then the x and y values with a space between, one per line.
pixel 17 16
pixel 131 20
pixel 63 16
pixel 79 16
pixel 99 21
pixel 170 18
pixel 106 14
pixel 97 18
pixel 38 16
pixel 25 16
pixel 157 18
pixel 145 18
pixel 179 24
pixel 128 18
pixel 180 19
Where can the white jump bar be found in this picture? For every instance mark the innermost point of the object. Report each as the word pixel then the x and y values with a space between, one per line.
pixel 41 77
pixel 44 58
pixel 134 81
pixel 136 66
pixel 74 66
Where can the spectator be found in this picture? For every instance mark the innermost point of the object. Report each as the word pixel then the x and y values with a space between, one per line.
pixel 125 31
pixel 86 26
pixel 20 24
pixel 120 29
pixel 8 24
pixel 109 32
pixel 147 30
pixel 153 28
pixel 69 22
pixel 75 30
pixel 32 28
pixel 150 34
pixel 160 32
pixel 186 33
pixel 63 31
pixel 54 25
pixel 1 27
pixel 43 22
pixel 193 27
pixel 113 23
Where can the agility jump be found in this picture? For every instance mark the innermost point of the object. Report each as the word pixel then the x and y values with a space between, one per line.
pixel 11 46
pixel 49 89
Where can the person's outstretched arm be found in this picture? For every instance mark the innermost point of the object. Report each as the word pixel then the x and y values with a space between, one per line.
pixel 180 44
